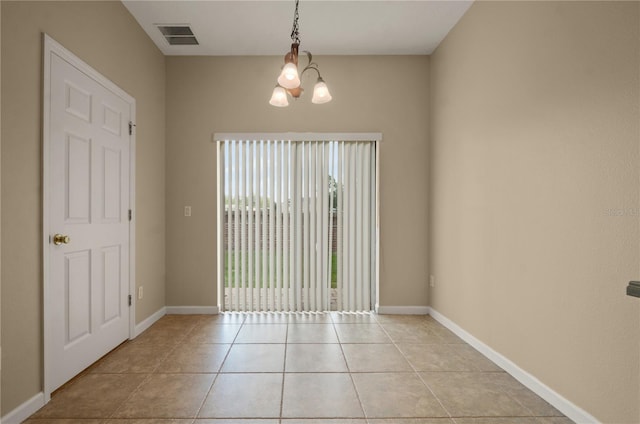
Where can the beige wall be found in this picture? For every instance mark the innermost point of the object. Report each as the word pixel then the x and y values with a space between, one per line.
pixel 230 94
pixel 535 136
pixel 105 36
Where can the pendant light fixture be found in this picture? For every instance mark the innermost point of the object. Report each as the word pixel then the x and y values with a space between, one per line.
pixel 289 79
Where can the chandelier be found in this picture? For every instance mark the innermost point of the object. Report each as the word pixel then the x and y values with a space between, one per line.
pixel 289 79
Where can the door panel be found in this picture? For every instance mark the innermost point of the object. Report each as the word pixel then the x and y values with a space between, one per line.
pixel 78 102
pixel 112 185
pixel 77 295
pixel 111 120
pixel 88 186
pixel 111 283
pixel 77 179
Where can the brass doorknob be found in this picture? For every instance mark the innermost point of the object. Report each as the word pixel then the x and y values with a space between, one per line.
pixel 59 239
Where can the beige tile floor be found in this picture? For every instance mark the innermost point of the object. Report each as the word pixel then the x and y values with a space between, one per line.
pixel 296 368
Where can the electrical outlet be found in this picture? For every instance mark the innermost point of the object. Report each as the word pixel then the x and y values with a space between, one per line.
pixel 432 281
pixel 187 211
pixel 140 292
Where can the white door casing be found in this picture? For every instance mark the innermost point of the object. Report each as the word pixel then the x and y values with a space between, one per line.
pixel 88 192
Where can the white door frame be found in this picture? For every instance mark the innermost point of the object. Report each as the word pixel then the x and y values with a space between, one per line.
pixel 51 47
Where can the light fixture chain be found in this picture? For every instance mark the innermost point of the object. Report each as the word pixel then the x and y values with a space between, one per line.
pixel 295 34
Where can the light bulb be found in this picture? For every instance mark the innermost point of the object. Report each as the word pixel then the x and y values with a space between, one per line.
pixel 321 93
pixel 279 97
pixel 289 76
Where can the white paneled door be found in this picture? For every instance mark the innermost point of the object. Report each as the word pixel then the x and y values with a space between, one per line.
pixel 87 203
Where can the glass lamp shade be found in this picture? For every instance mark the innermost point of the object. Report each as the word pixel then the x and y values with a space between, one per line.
pixel 289 76
pixel 279 97
pixel 321 93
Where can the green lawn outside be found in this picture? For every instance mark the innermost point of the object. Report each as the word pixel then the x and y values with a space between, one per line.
pixel 229 268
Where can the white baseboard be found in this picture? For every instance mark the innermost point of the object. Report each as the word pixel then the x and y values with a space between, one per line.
pixel 403 310
pixel 192 310
pixel 563 405
pixel 149 321
pixel 25 410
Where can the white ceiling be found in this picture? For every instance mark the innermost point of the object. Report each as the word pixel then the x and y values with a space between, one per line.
pixel 339 27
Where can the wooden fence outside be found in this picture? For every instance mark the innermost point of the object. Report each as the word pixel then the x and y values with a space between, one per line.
pixel 258 215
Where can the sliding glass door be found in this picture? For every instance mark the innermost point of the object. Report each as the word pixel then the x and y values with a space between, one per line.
pixel 297 222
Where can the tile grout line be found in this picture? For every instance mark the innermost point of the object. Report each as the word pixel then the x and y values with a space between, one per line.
pixel 284 369
pixel 417 373
pixel 219 371
pixel 353 382
pixel 144 380
pixel 476 370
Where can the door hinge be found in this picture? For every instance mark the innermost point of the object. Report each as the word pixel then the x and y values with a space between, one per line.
pixel 130 215
pixel 129 300
pixel 131 125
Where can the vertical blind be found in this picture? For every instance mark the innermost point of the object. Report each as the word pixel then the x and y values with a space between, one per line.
pixel 299 225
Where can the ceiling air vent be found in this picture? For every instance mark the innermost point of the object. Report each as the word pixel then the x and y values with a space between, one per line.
pixel 178 35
